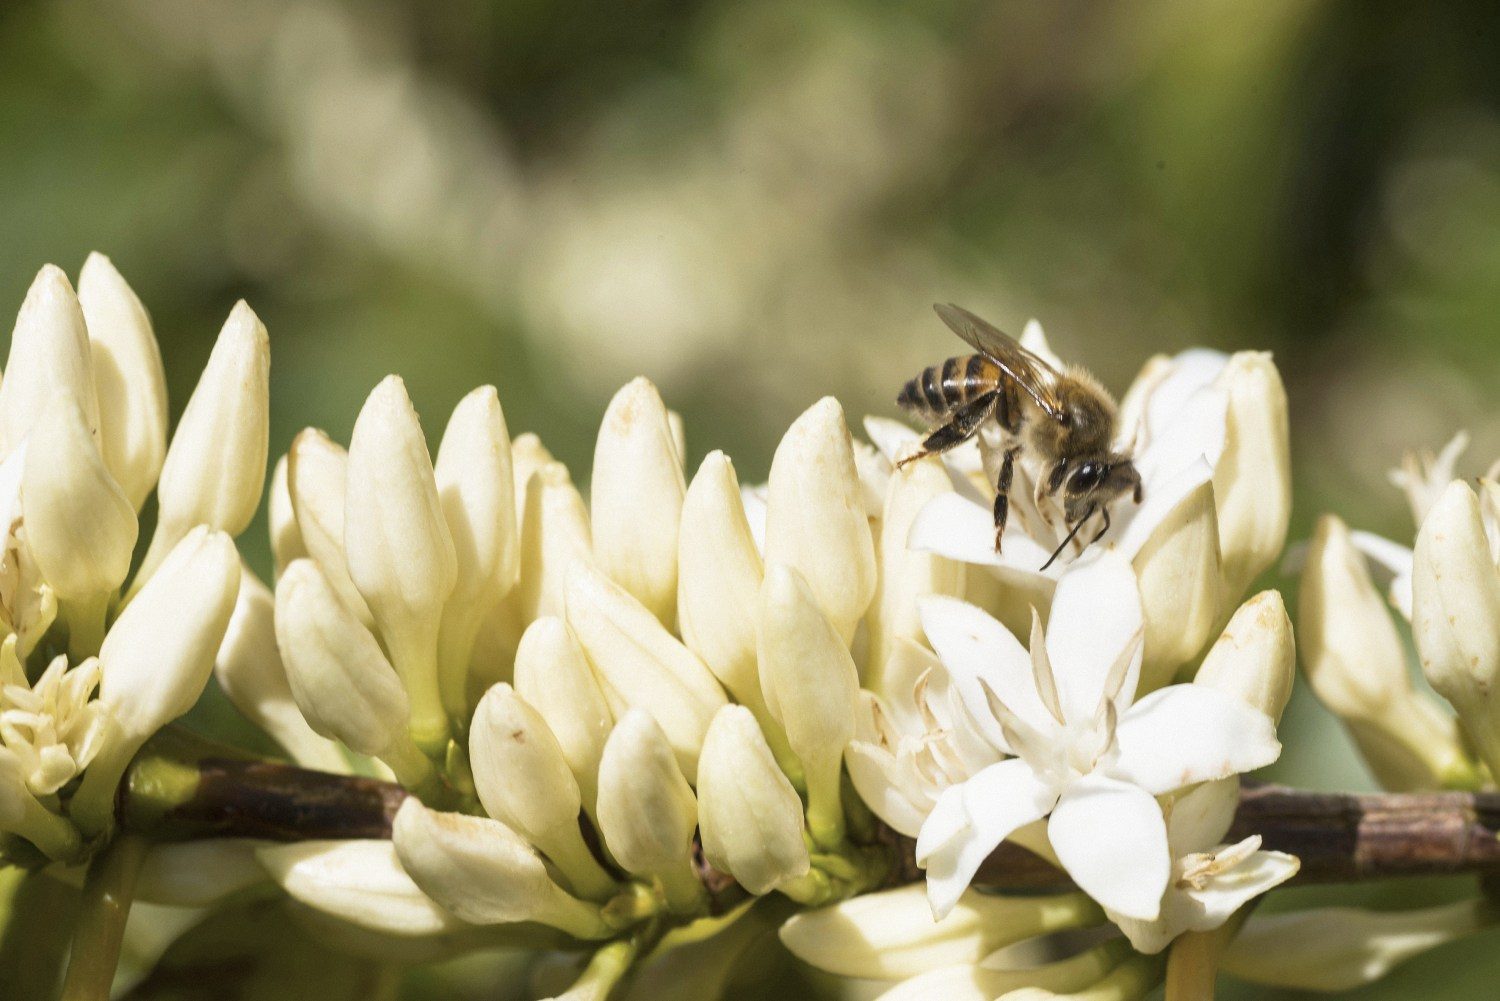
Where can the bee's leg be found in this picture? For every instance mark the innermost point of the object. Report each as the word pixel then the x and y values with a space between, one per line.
pixel 1002 492
pixel 1104 511
pixel 959 429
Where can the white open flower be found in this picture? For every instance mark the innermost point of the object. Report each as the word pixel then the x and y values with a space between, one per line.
pixel 53 726
pixel 1087 753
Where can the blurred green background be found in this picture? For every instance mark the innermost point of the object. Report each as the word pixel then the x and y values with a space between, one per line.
pixel 754 204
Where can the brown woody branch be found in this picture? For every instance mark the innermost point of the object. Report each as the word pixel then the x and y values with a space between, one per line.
pixel 1340 837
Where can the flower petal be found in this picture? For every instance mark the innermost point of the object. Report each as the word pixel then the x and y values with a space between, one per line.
pixel 1096 615
pixel 972 645
pixel 962 527
pixel 1185 734
pixel 1227 892
pixel 1111 838
pixel 1200 818
pixel 874 773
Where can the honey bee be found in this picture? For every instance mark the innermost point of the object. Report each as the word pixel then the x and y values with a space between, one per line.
pixel 1066 418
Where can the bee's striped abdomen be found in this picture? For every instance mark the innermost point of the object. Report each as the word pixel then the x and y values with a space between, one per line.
pixel 943 388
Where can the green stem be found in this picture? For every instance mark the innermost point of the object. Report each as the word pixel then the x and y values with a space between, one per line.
pixel 412 768
pixel 684 892
pixel 825 810
pixel 58 839
pixel 100 927
pixel 604 972
pixel 584 875
pixel 455 645
pixel 93 805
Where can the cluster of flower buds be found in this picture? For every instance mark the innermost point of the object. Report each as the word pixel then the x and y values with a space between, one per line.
pixel 94 661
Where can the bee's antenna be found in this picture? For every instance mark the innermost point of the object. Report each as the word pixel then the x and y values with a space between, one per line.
pixel 1064 544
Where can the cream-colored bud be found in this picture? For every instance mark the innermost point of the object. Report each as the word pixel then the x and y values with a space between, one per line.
pixel 286 537
pixel 216 464
pixel 1253 478
pixel 527 455
pixel 339 677
pixel 750 815
pixel 473 473
pixel 49 354
pixel 249 669
pixel 523 779
pixel 80 525
pixel 400 552
pixel 555 536
pixel 198 873
pixel 317 485
pixel 815 519
pixel 1254 658
pixel 719 578
pixel 485 873
pixel 642 664
pixel 554 677
pixel 1179 573
pixel 128 378
pixel 647 811
pixel 361 882
pixel 906 575
pixel 636 498
pixel 1456 615
pixel 811 686
pixel 1355 662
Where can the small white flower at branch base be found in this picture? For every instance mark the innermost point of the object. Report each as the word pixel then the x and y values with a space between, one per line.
pixel 286 537
pixel 216 463
pixel 1255 657
pixel 812 688
pixel 815 516
pixel 1103 973
pixel 249 669
pixel 636 498
pixel 49 354
pixel 748 812
pixel 1331 949
pixel 1210 880
pixel 157 658
pixel 1179 573
pixel 198 873
pixel 641 664
pixel 361 882
pixel 400 551
pixel 555 537
pixel 647 811
pixel 1356 663
pixel 474 480
pixel 317 487
pixel 339 678
pixel 128 379
pixel 79 524
pixel 523 780
pixel 890 935
pixel 484 873
pixel 1456 615
pixel 53 727
pixel 554 677
pixel 1253 478
pixel 1087 753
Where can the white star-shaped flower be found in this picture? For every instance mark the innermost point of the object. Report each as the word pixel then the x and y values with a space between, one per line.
pixel 1086 754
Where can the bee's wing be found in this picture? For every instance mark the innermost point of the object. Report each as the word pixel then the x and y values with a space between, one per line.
pixel 1026 369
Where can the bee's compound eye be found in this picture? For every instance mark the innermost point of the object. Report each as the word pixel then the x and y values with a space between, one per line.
pixel 1086 477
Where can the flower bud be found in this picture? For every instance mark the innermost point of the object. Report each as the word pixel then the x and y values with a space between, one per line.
pixel 473 474
pixel 128 379
pixel 1355 662
pixel 815 519
pixel 554 677
pixel 80 525
pixel 361 882
pixel 49 354
pixel 647 811
pixel 812 688
pixel 906 575
pixel 527 455
pixel 1456 615
pixel 317 485
pixel 286 537
pixel 485 873
pixel 400 552
pixel 642 664
pixel 249 669
pixel 338 675
pixel 523 780
pixel 750 815
pixel 216 464
pixel 636 498
pixel 555 536
pixel 1254 658
pixel 719 573
pixel 1253 477
pixel 1178 570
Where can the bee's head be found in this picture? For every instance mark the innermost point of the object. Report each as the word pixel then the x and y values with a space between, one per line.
pixel 1094 482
